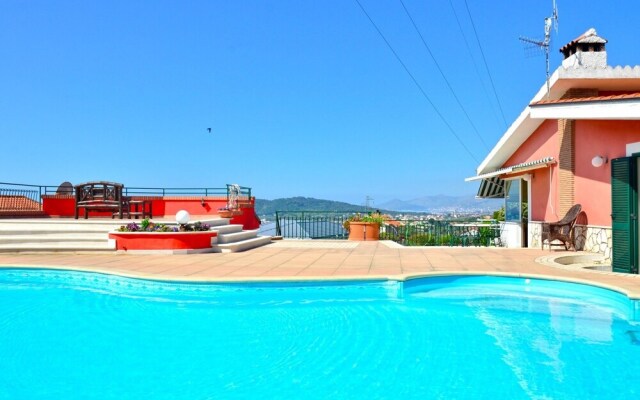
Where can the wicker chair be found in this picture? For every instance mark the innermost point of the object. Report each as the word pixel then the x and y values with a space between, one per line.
pixel 561 230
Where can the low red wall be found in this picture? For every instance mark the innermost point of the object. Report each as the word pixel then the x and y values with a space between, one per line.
pixel 162 240
pixel 163 207
pixel 58 205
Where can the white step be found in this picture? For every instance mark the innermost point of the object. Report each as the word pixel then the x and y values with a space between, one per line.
pixel 226 229
pixel 57 246
pixel 98 225
pixel 242 245
pixel 237 236
pixel 50 234
pixel 8 228
pixel 55 237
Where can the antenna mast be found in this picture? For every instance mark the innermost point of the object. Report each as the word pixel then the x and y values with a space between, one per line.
pixel 545 44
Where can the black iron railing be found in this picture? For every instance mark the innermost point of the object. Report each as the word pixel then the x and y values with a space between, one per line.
pixel 22 197
pixel 312 224
pixel 16 197
pixel 442 233
pixel 330 225
pixel 164 192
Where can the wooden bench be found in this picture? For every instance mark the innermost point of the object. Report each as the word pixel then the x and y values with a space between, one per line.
pixel 99 196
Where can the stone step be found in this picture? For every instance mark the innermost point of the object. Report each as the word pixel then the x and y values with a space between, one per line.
pixel 237 236
pixel 242 245
pixel 52 234
pixel 6 229
pixel 57 246
pixel 103 224
pixel 227 229
pixel 55 237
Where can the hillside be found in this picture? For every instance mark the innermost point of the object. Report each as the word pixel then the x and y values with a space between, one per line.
pixel 434 204
pixel 269 207
pixel 443 203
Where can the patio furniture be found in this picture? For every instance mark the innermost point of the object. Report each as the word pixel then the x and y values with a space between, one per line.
pixel 138 208
pixel 561 230
pixel 99 196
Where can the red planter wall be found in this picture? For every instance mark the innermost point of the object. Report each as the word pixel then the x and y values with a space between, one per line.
pixel 163 207
pixel 162 240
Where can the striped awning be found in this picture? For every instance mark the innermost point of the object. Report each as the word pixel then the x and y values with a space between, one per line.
pixel 525 166
pixel 493 187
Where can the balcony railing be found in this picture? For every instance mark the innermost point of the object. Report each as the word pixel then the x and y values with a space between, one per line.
pixel 23 197
pixel 329 225
pixel 311 224
pixel 17 197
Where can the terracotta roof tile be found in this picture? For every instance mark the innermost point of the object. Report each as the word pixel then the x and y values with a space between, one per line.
pixel 11 202
pixel 590 36
pixel 616 97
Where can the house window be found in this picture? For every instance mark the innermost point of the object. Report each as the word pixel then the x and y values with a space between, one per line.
pixel 512 205
pixel 516 200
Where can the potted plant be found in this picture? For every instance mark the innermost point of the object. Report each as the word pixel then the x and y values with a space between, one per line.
pixel 232 208
pixel 364 227
pixel 195 237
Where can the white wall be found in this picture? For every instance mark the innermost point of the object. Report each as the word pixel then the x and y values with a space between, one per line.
pixel 511 234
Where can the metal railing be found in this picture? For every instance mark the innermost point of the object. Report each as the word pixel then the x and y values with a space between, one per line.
pixel 442 233
pixel 18 197
pixel 330 225
pixel 22 197
pixel 312 224
pixel 163 192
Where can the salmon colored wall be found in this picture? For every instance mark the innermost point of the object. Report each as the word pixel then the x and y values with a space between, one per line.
pixel 543 195
pixel 542 143
pixel 593 185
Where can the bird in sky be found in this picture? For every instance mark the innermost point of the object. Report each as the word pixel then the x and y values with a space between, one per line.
pixel 209 129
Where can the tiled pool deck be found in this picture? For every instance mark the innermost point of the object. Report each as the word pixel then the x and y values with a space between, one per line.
pixel 329 260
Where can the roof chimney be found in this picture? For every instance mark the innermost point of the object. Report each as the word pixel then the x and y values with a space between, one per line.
pixel 586 51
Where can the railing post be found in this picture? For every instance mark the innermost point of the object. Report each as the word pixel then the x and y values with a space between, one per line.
pixel 278 229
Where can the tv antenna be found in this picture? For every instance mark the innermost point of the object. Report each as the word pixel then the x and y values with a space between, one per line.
pixel 367 202
pixel 544 44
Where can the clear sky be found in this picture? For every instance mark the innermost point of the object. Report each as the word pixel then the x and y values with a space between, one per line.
pixel 304 97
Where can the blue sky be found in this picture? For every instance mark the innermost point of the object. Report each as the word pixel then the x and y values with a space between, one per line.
pixel 303 97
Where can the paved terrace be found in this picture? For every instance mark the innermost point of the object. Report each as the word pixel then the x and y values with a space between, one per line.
pixel 329 260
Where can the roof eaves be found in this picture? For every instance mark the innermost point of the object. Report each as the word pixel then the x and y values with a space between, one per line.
pixel 593 99
pixel 519 130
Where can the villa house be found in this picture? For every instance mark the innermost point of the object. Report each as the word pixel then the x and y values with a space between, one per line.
pixel 577 142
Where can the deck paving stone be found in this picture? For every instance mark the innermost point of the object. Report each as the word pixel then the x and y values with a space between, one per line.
pixel 341 260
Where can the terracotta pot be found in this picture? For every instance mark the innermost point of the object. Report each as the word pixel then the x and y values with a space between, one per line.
pixel 364 231
pixel 225 213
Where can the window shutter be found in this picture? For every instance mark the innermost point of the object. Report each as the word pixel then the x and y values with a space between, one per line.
pixel 624 215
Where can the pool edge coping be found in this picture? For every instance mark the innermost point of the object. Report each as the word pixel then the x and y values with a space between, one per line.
pixel 631 295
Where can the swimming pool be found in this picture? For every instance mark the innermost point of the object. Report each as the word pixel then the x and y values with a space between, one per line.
pixel 76 335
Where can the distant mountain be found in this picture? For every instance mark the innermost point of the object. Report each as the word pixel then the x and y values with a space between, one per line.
pixel 269 207
pixel 434 204
pixel 441 203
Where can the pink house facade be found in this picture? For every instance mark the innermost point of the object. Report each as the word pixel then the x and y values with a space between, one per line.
pixel 564 147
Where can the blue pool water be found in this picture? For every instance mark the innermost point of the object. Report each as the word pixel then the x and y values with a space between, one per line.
pixel 73 335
